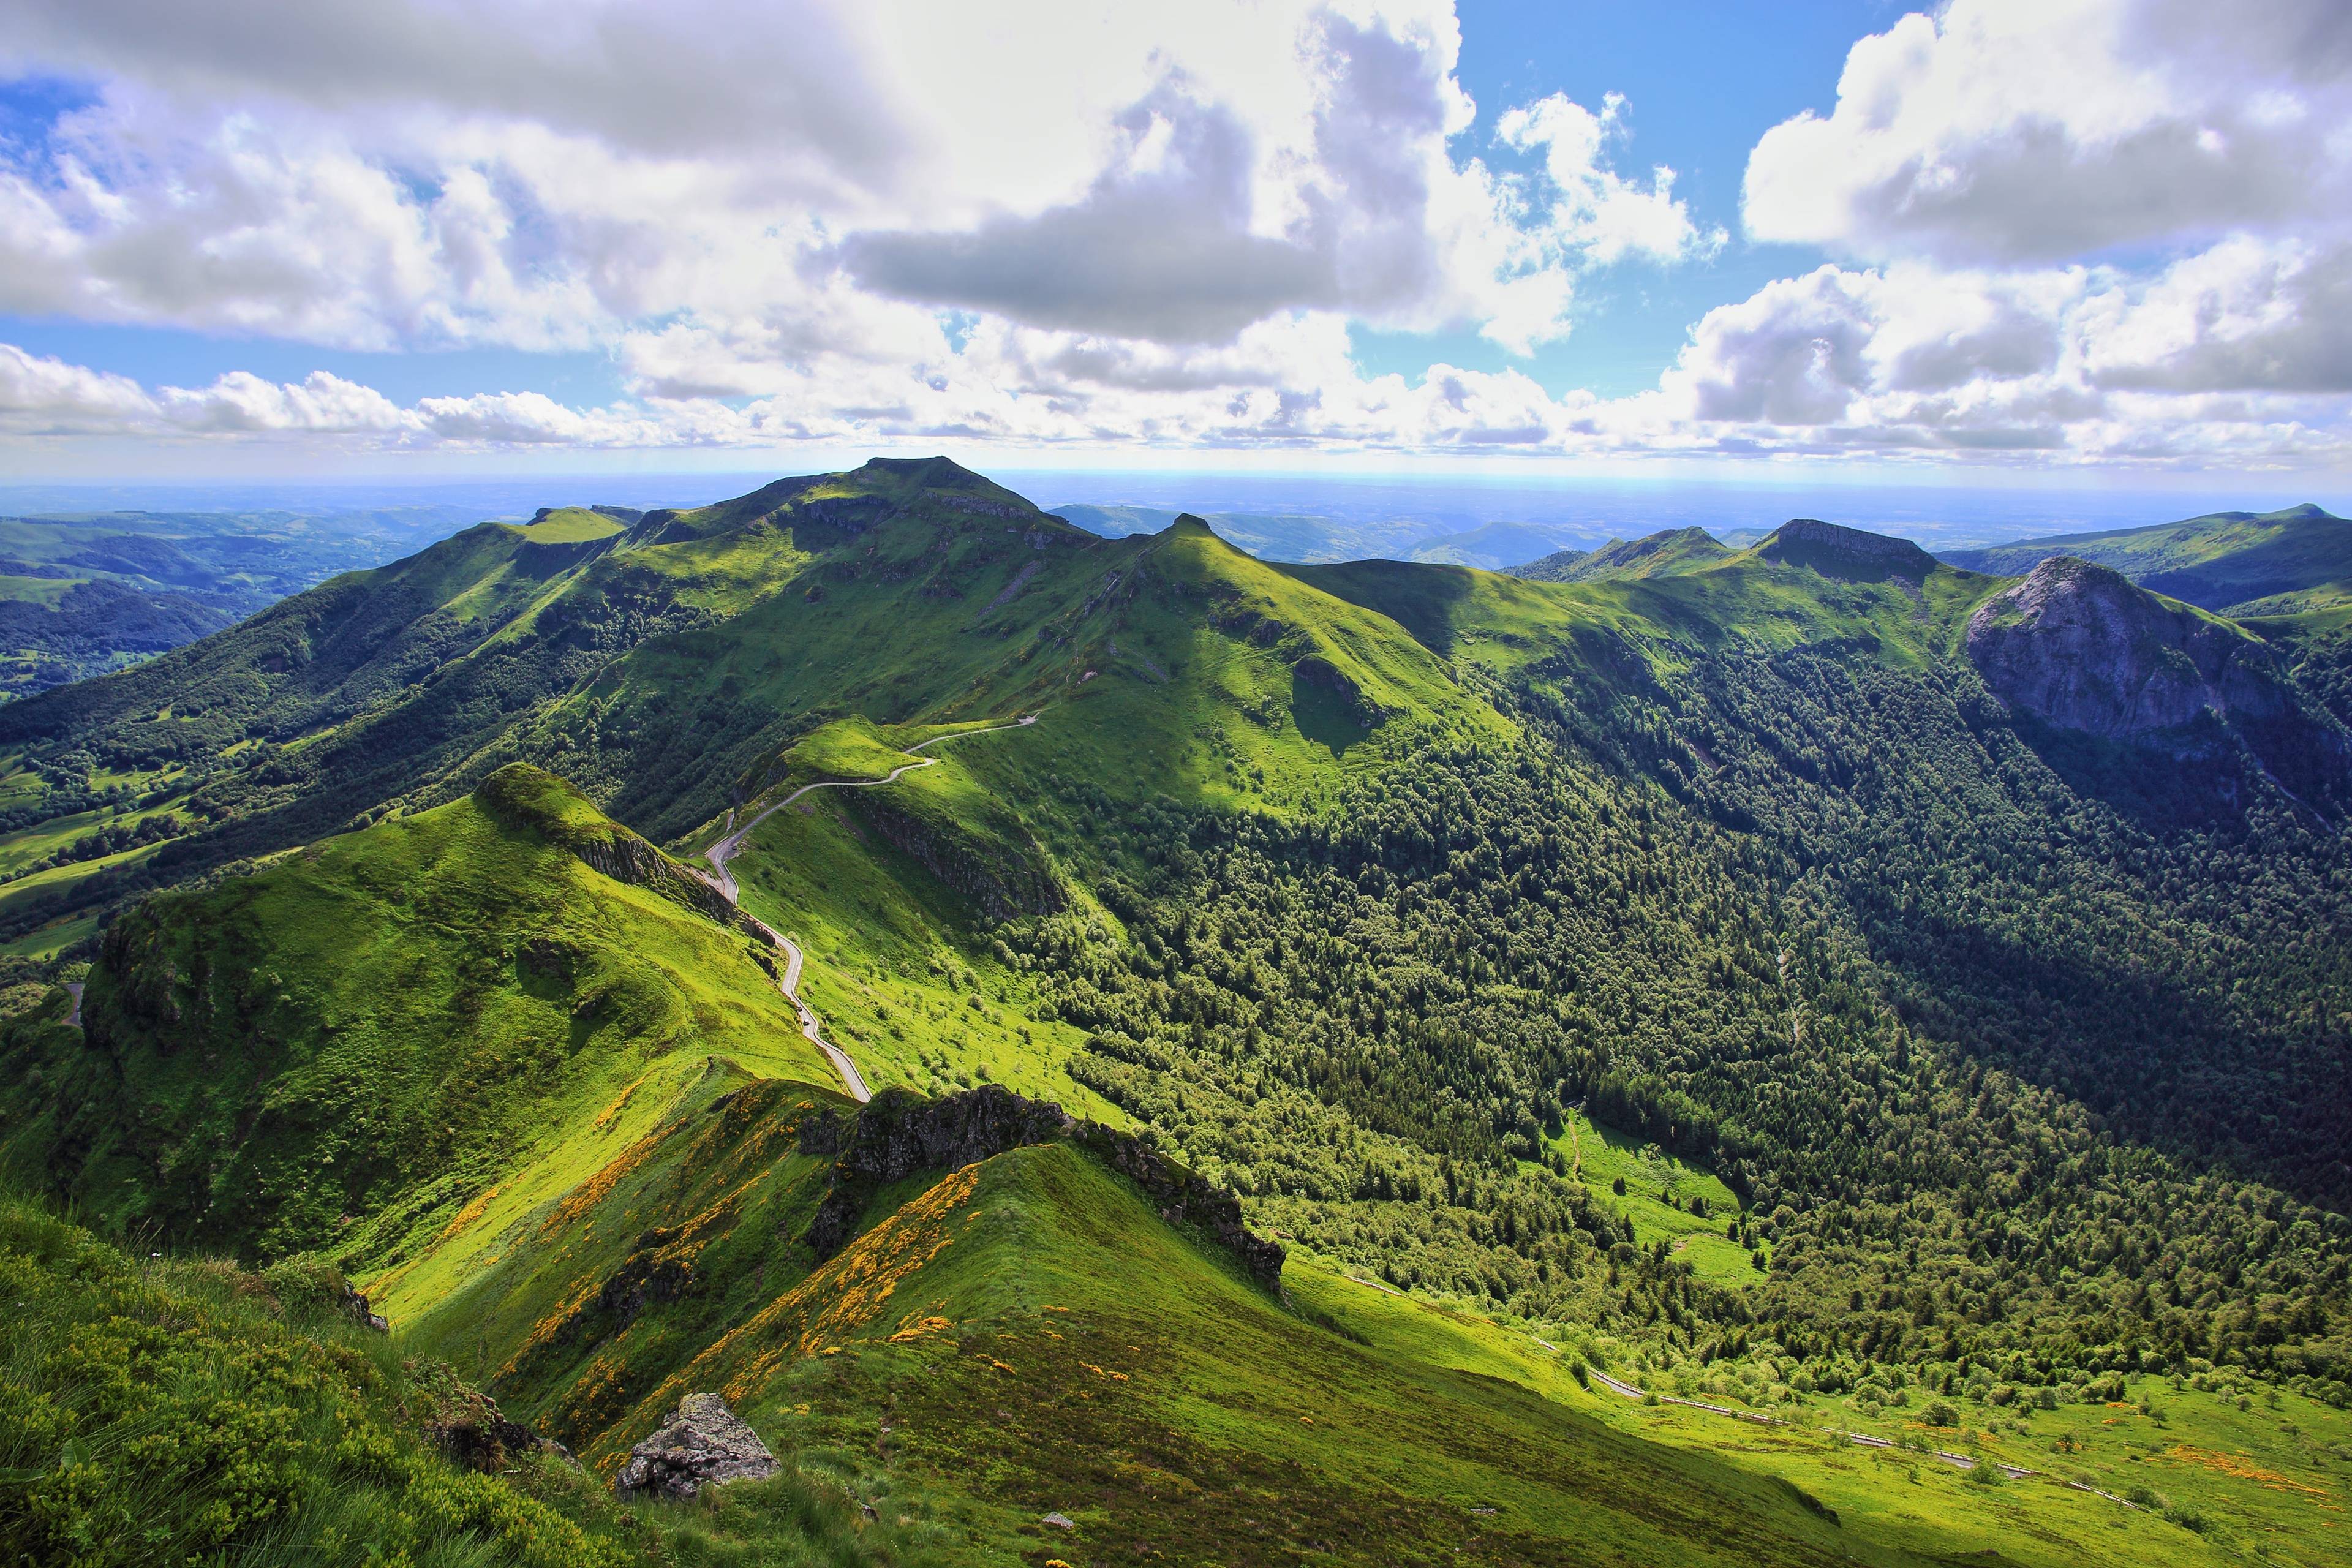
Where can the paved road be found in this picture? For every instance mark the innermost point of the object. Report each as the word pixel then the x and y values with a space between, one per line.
pixel 727 848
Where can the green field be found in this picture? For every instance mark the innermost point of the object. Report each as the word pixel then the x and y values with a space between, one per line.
pixel 1659 1188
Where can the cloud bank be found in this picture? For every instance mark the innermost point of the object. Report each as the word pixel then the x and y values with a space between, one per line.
pixel 2056 231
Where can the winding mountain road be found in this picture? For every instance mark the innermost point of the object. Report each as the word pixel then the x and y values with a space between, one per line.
pixel 727 848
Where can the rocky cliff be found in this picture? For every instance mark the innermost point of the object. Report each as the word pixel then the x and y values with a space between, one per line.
pixel 2079 646
pixel 900 1133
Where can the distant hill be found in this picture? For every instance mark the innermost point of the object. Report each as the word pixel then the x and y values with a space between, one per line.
pixel 1674 550
pixel 1494 546
pixel 2237 562
pixel 86 594
pixel 1315 539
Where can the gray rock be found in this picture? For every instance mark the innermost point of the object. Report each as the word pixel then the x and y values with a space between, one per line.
pixel 700 1444
pixel 1059 1521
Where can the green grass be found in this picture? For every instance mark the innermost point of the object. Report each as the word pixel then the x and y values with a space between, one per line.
pixel 2273 562
pixel 30 845
pixel 567 525
pixel 893 966
pixel 183 1411
pixel 1659 1187
pixel 418 1011
pixel 2270 1483
pixel 1029 1336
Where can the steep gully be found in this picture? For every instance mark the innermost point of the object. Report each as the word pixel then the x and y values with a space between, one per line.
pixel 727 848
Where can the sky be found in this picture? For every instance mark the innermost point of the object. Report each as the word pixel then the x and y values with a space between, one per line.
pixel 2102 242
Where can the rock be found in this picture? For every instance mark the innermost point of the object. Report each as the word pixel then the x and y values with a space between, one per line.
pixel 2079 646
pixel 1059 1521
pixel 900 1133
pixel 700 1444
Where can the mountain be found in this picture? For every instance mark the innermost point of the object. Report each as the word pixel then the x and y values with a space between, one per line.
pixel 1333 1031
pixel 2235 563
pixel 1492 546
pixel 85 594
pixel 2078 645
pixel 1674 550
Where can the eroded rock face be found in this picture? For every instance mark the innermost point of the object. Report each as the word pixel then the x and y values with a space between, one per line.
pixel 700 1444
pixel 2081 647
pixel 899 1133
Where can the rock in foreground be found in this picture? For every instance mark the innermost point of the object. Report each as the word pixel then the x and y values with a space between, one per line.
pixel 700 1444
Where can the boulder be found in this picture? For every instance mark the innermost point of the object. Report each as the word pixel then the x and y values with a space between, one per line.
pixel 700 1444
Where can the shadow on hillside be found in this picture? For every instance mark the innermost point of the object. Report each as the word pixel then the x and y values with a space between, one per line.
pixel 1419 596
pixel 2155 1061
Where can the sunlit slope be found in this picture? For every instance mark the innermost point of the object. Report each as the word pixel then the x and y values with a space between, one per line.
pixel 2273 562
pixel 1028 1335
pixel 1788 591
pixel 332 1052
pixel 664 664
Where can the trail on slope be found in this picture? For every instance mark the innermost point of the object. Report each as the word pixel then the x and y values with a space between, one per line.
pixel 729 847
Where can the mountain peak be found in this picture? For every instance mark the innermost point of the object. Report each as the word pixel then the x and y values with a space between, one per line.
pixel 936 473
pixel 1835 550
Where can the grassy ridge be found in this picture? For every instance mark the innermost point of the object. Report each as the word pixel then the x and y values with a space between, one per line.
pixel 2274 562
pixel 332 1052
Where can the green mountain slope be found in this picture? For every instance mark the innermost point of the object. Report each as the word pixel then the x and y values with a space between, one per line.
pixel 2234 562
pixel 332 1047
pixel 1782 981
pixel 1675 550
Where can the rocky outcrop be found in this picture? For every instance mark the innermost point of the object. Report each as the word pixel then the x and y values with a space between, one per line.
pixel 2080 646
pixel 700 1444
pixel 521 795
pixel 900 1133
pixel 470 1430
pixel 1851 554
pixel 1184 1198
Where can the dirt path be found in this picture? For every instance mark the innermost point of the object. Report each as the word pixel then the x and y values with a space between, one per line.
pixel 727 848
pixel 73 1019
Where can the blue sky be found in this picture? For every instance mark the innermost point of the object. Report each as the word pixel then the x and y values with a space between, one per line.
pixel 2002 239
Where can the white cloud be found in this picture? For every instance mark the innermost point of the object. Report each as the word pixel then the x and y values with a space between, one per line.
pixel 2037 131
pixel 1595 210
pixel 812 175
pixel 2070 230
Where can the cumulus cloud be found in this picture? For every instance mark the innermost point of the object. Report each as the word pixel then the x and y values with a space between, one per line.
pixel 2069 230
pixel 1160 247
pixel 2040 130
pixel 1594 209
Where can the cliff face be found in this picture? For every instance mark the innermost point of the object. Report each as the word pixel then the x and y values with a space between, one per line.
pixel 2079 645
pixel 899 1133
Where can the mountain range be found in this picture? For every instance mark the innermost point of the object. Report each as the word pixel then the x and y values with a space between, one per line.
pixel 1112 1050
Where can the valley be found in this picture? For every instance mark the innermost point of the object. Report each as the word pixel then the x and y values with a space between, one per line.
pixel 1252 1061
